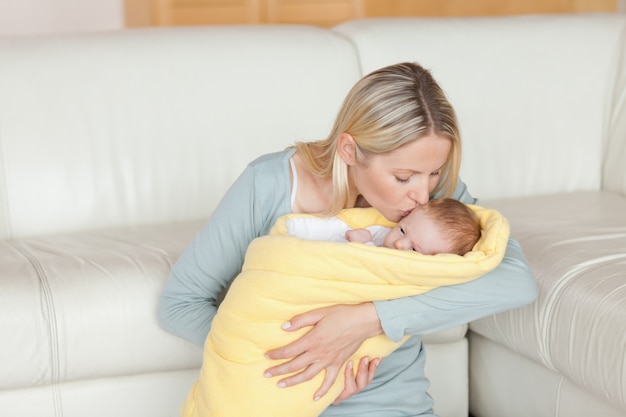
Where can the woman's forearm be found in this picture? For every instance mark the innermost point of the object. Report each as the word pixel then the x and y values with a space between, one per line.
pixel 185 315
pixel 510 285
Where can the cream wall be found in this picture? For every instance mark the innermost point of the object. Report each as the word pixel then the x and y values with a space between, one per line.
pixel 31 17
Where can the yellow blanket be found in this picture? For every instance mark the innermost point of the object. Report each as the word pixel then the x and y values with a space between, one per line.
pixel 284 276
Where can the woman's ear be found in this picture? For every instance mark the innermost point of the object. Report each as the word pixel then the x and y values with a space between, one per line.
pixel 346 147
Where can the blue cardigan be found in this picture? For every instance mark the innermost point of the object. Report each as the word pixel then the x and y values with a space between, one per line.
pixel 250 208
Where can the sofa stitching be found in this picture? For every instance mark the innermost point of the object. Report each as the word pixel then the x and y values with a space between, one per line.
pixel 49 312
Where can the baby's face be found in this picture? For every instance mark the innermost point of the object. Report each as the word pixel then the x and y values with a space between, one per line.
pixel 417 232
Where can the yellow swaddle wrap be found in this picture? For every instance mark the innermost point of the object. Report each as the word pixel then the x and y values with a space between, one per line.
pixel 283 276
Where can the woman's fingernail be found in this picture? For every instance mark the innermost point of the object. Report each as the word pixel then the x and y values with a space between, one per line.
pixel 286 325
pixel 350 365
pixel 281 385
pixel 267 375
pixel 317 398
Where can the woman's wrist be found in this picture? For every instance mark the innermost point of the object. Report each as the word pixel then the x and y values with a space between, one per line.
pixel 370 319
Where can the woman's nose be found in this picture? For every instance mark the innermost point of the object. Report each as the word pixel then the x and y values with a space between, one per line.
pixel 420 195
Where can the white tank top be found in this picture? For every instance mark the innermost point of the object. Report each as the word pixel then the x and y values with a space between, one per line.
pixel 294 185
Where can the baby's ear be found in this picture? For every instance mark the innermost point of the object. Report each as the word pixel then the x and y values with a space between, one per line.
pixel 346 147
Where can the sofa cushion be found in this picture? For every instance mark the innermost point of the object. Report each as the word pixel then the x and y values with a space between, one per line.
pixel 576 246
pixel 83 306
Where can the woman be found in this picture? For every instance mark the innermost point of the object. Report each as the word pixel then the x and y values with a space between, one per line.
pixel 395 144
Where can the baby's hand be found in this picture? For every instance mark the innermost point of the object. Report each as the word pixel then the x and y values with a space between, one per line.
pixel 359 235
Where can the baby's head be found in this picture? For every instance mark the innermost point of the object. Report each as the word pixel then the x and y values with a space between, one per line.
pixel 442 225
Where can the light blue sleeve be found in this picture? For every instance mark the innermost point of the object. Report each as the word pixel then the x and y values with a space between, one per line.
pixel 214 258
pixel 188 301
pixel 510 285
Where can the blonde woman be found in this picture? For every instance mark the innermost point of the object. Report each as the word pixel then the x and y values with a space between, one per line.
pixel 395 145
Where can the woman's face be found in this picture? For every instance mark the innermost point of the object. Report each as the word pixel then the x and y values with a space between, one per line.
pixel 396 182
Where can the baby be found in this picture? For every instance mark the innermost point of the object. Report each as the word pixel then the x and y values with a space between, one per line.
pixel 441 226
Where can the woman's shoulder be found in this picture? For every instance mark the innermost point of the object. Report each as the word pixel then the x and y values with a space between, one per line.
pixel 274 160
pixel 269 186
pixel 271 171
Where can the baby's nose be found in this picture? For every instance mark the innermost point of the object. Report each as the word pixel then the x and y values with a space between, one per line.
pixel 399 244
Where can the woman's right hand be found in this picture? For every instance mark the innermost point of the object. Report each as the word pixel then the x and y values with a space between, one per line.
pixel 356 383
pixel 336 334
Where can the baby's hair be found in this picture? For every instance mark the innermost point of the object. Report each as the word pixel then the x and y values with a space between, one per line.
pixel 459 222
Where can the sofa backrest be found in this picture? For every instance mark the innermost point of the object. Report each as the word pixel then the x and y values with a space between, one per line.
pixel 151 126
pixel 541 100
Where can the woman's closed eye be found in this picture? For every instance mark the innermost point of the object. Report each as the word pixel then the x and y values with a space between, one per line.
pixel 406 180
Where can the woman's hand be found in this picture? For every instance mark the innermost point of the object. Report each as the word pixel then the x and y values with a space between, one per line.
pixel 356 383
pixel 338 331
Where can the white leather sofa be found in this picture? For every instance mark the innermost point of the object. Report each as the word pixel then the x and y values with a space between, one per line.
pixel 115 147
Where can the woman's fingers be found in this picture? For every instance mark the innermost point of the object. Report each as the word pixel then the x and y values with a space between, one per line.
pixel 291 350
pixel 335 333
pixel 366 372
pixel 349 384
pixel 353 383
pixel 310 318
pixel 300 345
pixel 309 370
pixel 329 380
pixel 364 376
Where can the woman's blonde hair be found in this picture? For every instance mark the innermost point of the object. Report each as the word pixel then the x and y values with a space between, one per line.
pixel 385 110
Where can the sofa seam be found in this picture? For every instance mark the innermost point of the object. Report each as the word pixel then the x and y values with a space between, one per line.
pixel 613 106
pixel 353 45
pixel 557 394
pixel 49 312
pixel 5 219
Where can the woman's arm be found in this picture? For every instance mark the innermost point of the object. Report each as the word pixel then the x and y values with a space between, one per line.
pixel 189 299
pixel 338 331
pixel 510 285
